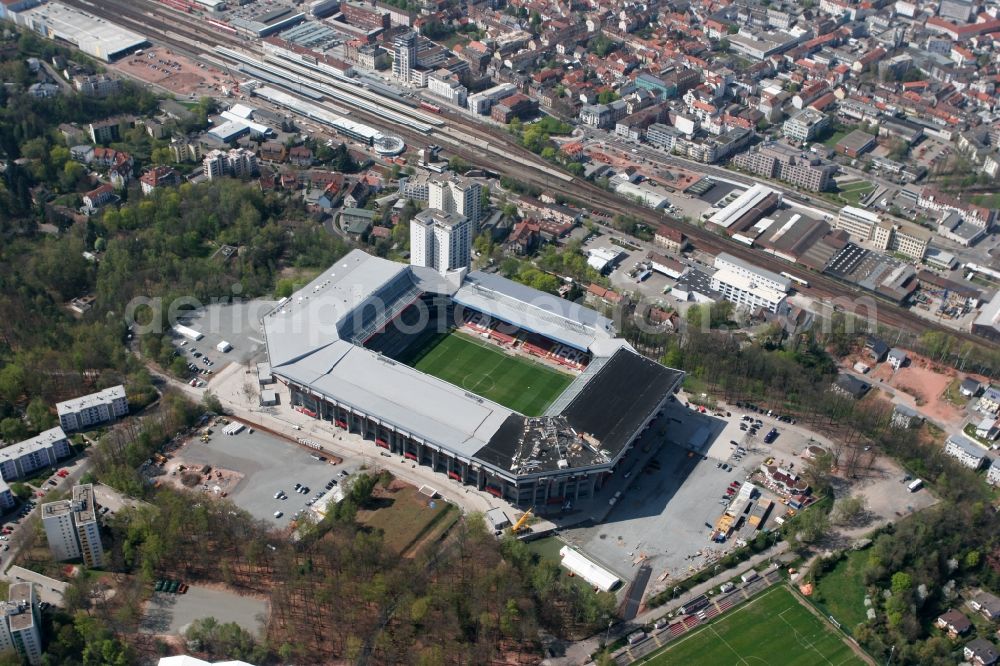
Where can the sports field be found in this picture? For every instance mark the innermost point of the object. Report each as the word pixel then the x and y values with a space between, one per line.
pixel 773 629
pixel 520 384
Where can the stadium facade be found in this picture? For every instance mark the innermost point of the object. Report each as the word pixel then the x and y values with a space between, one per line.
pixel 331 343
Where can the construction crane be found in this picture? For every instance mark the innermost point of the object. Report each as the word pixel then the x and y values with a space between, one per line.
pixel 522 521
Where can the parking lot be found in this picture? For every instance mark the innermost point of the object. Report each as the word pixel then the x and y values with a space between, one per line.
pixel 173 613
pixel 236 323
pixel 668 512
pixel 268 465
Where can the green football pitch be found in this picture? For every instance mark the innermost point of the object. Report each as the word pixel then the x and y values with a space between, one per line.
pixel 520 384
pixel 773 629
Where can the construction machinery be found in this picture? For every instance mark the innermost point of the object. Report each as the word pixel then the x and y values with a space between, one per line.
pixel 522 522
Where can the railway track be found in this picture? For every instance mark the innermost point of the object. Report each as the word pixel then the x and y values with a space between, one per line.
pixel 185 34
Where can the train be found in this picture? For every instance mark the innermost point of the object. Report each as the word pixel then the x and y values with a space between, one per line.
pixel 796 280
pixel 225 27
pixel 427 106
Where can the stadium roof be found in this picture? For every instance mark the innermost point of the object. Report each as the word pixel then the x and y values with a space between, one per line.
pixel 311 340
pixel 312 317
pixel 424 406
pixel 536 311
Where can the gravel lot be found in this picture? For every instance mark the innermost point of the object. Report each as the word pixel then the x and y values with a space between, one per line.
pixel 269 464
pixel 173 613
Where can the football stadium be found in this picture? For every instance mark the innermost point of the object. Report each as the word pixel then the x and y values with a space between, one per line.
pixel 519 393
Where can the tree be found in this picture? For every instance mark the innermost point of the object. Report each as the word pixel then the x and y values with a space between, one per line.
pixel 39 414
pixel 850 510
pixel 901 582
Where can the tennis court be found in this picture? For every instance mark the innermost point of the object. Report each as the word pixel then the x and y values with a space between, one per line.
pixel 523 385
pixel 773 629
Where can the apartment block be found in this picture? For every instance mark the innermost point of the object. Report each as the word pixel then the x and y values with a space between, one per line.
pixel 19 629
pixel 43 450
pixel 102 407
pixel 965 451
pixel 457 194
pixel 71 528
pixel 805 125
pixel 440 240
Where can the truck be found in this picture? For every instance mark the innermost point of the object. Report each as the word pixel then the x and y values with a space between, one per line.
pixel 915 485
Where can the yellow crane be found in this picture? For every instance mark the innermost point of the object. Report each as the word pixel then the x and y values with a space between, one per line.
pixel 522 521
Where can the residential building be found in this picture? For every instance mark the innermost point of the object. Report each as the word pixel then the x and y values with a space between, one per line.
pixel 985 603
pixel 356 222
pixel 970 387
pixel 186 150
pixel 669 238
pixel 515 106
pixel 93 409
pixel 897 358
pixel 236 162
pixel 440 240
pixel 71 528
pixel 457 194
pixel 990 400
pixel 905 417
pixel 662 136
pixel 954 622
pixel 20 627
pixel 966 451
pixel 850 386
pixel 404 51
pixel 805 125
pixel 783 163
pixel 980 652
pixel 105 131
pixel 99 85
pixel 445 84
pixel 43 450
pixel 161 176
pixel 99 196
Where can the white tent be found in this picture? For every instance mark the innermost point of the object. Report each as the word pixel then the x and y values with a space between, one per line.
pixel 596 575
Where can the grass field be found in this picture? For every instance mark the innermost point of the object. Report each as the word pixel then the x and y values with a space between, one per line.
pixel 406 517
pixel 841 591
pixel 855 192
pixel 773 629
pixel 520 384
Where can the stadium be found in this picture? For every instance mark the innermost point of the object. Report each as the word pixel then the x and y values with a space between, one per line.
pixel 521 394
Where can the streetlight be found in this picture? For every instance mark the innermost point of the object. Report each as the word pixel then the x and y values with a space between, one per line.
pixel 890 655
pixel 607 636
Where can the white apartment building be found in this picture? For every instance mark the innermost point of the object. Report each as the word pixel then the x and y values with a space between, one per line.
pixel 805 125
pixel 80 413
pixel 440 240
pixel 445 84
pixel 19 629
pixel 71 528
pixel 237 162
pixel 965 451
pixel 99 85
pixel 42 450
pixel 457 194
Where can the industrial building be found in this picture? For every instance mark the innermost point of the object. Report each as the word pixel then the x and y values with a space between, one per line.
pixel 747 285
pixel 43 450
pixel 92 35
pixel 747 208
pixel 71 528
pixel 330 343
pixel 96 408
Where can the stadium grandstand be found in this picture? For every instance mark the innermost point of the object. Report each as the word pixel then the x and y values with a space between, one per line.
pixel 517 392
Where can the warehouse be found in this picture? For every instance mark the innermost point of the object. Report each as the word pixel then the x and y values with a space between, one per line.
pixel 94 36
